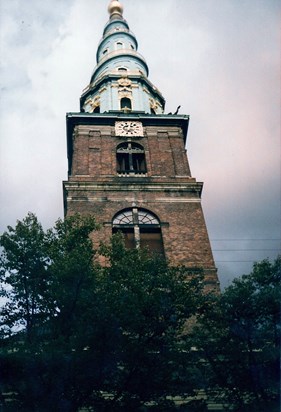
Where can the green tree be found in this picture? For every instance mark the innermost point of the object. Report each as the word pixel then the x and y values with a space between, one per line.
pixel 43 276
pixel 23 277
pixel 106 337
pixel 238 337
pixel 143 306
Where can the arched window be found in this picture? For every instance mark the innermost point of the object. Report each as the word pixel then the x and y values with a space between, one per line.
pixel 122 69
pixel 130 158
pixel 126 103
pixel 119 45
pixel 141 229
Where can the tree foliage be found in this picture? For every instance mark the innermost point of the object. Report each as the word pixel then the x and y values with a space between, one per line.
pixel 131 335
pixel 23 275
pixel 238 340
pixel 102 337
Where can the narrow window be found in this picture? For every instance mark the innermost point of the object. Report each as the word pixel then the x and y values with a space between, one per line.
pixel 130 158
pixel 122 69
pixel 119 45
pixel 126 103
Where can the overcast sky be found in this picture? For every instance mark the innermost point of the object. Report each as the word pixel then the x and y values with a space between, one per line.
pixel 218 59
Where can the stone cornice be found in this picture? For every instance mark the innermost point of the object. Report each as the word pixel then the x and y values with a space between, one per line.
pixel 192 187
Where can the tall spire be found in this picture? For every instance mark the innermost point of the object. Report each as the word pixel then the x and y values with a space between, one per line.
pixel 120 79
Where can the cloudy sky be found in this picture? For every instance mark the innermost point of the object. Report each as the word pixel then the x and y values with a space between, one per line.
pixel 218 59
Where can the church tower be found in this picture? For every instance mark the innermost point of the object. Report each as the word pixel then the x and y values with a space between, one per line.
pixel 127 160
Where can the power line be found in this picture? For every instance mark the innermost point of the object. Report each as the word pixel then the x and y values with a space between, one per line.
pixel 245 250
pixel 235 261
pixel 246 240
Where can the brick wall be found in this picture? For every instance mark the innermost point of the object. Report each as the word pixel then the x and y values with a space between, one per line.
pixel 167 190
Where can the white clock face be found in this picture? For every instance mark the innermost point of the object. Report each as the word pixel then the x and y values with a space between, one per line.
pixel 128 128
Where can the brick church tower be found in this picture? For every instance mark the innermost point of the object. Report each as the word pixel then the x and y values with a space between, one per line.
pixel 127 161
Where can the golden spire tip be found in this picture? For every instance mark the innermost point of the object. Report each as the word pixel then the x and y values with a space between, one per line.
pixel 115 8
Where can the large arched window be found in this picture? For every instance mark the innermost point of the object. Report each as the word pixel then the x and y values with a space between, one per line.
pixel 130 158
pixel 141 229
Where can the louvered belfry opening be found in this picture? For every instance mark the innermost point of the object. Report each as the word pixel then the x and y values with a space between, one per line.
pixel 130 158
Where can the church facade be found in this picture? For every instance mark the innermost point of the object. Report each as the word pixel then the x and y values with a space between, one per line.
pixel 127 161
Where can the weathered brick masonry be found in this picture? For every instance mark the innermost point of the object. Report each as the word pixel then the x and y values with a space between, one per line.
pixel 166 189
